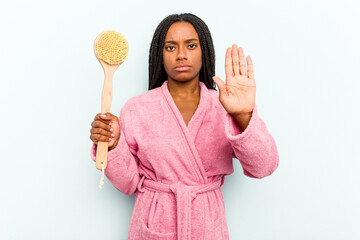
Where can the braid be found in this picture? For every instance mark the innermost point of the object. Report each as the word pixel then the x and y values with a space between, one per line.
pixel 157 73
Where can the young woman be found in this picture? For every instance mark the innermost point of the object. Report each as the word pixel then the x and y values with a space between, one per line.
pixel 174 144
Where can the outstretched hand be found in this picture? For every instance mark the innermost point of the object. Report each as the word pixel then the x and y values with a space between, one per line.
pixel 237 94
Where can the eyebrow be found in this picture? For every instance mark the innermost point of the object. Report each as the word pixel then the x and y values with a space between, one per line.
pixel 186 41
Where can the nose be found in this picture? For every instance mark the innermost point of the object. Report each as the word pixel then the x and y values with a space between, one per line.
pixel 181 53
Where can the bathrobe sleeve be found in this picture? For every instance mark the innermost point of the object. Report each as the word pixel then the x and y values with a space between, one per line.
pixel 122 167
pixel 255 148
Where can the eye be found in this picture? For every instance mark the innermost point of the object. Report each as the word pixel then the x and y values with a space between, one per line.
pixel 169 48
pixel 192 46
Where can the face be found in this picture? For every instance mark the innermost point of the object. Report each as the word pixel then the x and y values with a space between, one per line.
pixel 182 52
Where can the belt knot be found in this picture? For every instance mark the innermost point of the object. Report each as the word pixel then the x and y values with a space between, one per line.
pixel 184 194
pixel 181 188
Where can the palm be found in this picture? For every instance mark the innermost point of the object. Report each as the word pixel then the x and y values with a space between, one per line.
pixel 237 94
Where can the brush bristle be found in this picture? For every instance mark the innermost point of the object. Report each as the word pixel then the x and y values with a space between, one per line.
pixel 111 47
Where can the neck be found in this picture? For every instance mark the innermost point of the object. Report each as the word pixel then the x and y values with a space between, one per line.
pixel 188 89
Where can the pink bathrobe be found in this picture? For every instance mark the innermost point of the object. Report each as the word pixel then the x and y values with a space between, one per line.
pixel 177 170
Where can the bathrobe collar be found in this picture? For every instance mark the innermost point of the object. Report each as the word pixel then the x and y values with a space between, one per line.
pixel 196 120
pixel 190 131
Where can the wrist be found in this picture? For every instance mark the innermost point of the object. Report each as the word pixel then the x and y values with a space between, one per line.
pixel 242 119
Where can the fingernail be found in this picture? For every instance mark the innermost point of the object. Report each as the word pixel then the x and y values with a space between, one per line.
pixel 113 135
pixel 103 115
pixel 111 129
pixel 110 139
pixel 110 123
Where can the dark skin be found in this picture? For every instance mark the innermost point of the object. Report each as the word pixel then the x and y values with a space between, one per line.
pixel 105 128
pixel 182 62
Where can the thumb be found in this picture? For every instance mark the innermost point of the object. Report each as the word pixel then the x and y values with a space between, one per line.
pixel 105 116
pixel 220 83
pixel 114 119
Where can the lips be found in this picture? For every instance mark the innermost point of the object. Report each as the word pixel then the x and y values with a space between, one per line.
pixel 182 68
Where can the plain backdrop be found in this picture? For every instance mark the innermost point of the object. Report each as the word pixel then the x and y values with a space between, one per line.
pixel 306 61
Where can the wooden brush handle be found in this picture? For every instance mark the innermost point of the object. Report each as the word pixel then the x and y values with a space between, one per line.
pixel 106 98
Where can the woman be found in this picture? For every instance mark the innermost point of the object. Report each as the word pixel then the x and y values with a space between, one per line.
pixel 174 144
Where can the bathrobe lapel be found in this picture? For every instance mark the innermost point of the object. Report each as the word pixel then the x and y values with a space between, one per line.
pixel 189 132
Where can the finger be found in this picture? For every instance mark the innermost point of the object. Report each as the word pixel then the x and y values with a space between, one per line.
pixel 93 139
pixel 242 61
pixel 100 124
pixel 103 116
pixel 99 119
pixel 228 64
pixel 103 132
pixel 110 118
pixel 220 83
pixel 235 59
pixel 97 116
pixel 250 67
pixel 100 138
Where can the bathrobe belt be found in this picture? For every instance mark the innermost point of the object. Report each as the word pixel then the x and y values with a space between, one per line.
pixel 184 194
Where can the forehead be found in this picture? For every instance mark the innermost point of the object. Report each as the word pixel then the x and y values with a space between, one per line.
pixel 181 31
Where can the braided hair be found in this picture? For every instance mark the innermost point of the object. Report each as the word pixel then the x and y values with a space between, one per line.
pixel 157 73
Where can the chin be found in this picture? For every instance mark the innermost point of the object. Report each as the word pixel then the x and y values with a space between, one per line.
pixel 183 78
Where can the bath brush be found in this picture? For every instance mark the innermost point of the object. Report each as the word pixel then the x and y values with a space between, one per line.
pixel 111 49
